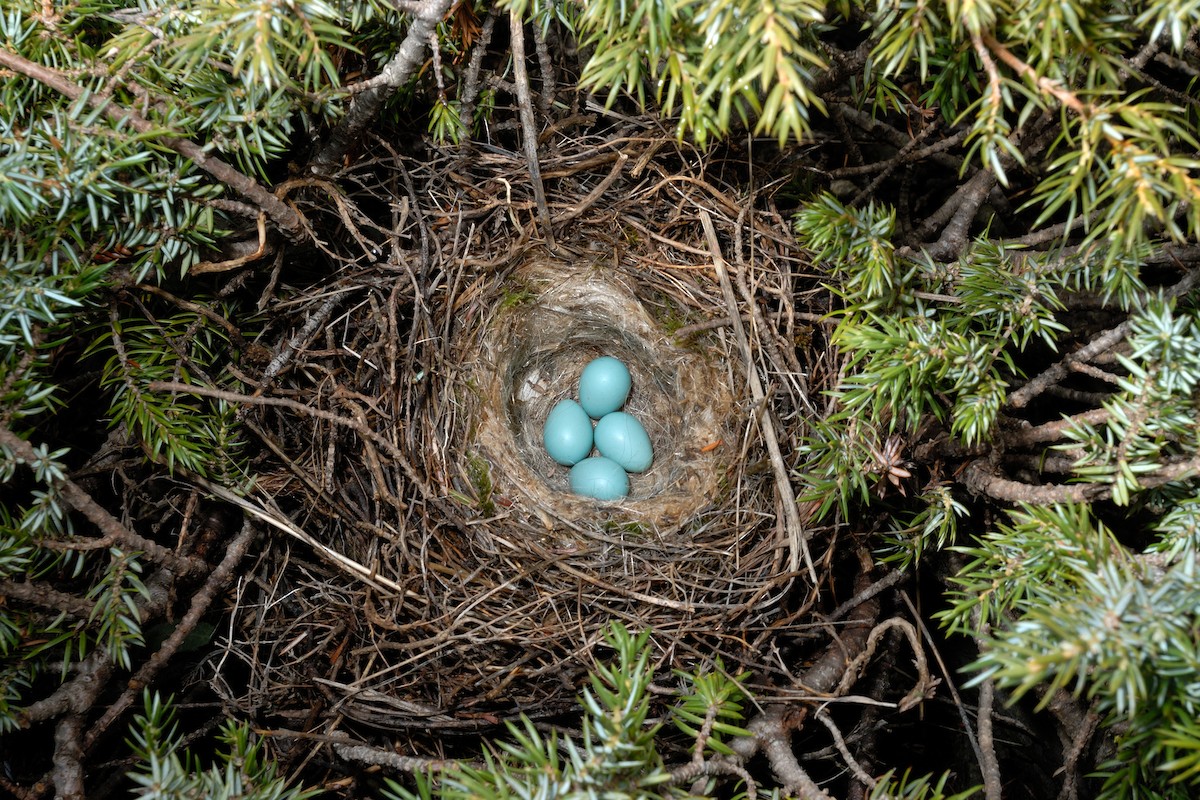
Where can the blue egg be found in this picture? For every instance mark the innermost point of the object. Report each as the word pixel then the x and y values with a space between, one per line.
pixel 599 477
pixel 567 433
pixel 622 438
pixel 604 386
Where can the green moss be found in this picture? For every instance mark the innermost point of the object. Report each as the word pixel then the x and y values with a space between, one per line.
pixel 627 528
pixel 669 316
pixel 480 474
pixel 515 297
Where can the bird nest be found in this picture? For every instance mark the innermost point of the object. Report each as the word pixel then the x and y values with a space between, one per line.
pixel 438 574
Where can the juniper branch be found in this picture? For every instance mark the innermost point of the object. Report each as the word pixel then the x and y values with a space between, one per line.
pixel 1044 84
pixel 201 601
pixel 1021 397
pixel 108 525
pixel 283 215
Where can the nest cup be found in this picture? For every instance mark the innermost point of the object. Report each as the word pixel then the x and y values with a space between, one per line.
pixel 530 357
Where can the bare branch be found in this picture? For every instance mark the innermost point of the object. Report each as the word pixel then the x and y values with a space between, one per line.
pixel 529 137
pixel 717 765
pixel 76 695
pixel 1106 340
pixel 1052 431
pixel 1021 397
pixel 68 764
pixel 287 351
pixel 886 582
pixel 987 744
pixel 989 764
pixel 546 67
pixel 824 674
pixel 981 478
pixel 775 740
pixel 1076 726
pixel 393 76
pixel 962 712
pixel 772 735
pixel 840 742
pixel 42 596
pixel 375 757
pixel 925 684
pixel 595 194
pixel 470 83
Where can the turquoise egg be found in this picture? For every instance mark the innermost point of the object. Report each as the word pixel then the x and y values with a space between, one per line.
pixel 604 386
pixel 622 438
pixel 599 477
pixel 567 434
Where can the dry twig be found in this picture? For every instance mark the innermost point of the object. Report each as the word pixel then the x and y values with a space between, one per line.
pixel 797 535
pixel 371 95
pixel 529 136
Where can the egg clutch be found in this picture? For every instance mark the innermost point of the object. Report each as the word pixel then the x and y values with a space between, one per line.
pixel 620 439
